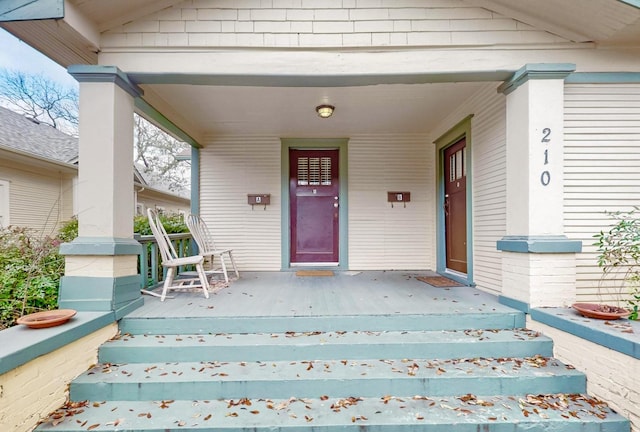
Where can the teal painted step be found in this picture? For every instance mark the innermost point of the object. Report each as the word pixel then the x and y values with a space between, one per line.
pixel 308 379
pixel 330 345
pixel 466 413
pixel 399 322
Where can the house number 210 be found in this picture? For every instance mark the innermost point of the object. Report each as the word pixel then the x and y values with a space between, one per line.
pixel 545 176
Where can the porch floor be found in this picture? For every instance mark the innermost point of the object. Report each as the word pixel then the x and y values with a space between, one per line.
pixel 347 293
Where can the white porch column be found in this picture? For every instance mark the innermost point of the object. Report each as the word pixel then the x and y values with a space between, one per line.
pixel 538 260
pixel 101 264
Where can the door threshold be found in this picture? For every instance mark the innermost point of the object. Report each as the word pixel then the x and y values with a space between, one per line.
pixel 315 264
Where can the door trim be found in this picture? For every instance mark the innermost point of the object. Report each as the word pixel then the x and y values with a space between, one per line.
pixel 453 135
pixel 307 144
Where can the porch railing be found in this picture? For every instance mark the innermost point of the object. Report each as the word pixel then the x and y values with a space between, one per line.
pixel 150 261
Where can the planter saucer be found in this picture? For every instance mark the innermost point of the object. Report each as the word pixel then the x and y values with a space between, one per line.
pixel 50 318
pixel 600 311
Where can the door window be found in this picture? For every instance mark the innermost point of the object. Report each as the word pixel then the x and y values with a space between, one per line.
pixel 314 171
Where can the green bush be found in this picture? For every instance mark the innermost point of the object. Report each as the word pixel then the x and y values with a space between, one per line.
pixel 30 271
pixel 173 223
pixel 69 230
pixel 31 267
pixel 619 251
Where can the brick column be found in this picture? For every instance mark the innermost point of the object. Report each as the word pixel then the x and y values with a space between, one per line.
pixel 538 260
pixel 101 264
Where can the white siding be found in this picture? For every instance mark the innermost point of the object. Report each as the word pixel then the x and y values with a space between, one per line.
pixel 230 169
pixel 169 205
pixel 488 166
pixel 602 155
pixel 40 199
pixel 242 23
pixel 4 203
pixel 382 237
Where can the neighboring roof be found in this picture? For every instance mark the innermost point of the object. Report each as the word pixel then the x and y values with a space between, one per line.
pixel 30 136
pixel 145 178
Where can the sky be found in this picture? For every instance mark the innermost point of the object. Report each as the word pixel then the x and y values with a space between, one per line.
pixel 17 55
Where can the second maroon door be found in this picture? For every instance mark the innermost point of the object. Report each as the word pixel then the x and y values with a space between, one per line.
pixel 455 206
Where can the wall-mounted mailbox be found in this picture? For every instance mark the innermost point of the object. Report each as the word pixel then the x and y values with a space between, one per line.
pixel 259 199
pixel 398 197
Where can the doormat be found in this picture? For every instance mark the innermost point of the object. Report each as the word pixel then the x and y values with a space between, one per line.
pixel 439 281
pixel 314 273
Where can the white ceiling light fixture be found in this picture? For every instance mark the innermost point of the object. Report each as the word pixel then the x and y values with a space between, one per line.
pixel 325 111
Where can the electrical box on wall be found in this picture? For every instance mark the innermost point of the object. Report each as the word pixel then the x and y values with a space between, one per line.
pixel 398 197
pixel 259 199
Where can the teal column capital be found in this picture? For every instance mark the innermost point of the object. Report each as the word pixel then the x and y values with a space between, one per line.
pixel 539 244
pixel 536 71
pixel 101 246
pixel 97 73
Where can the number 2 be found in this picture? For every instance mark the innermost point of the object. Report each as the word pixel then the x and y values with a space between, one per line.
pixel 546 134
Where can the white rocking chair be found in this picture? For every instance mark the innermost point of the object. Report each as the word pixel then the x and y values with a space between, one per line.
pixel 171 261
pixel 207 247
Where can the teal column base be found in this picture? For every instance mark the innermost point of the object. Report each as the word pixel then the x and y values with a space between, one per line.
pixel 86 293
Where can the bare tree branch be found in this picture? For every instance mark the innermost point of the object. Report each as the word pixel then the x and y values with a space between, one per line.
pixel 40 98
pixel 45 100
pixel 156 151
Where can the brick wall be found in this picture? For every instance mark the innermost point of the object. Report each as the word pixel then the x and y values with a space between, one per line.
pixel 326 23
pixel 611 376
pixel 30 392
pixel 541 280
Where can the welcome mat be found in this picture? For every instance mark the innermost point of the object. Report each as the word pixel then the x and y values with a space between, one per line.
pixel 314 273
pixel 439 281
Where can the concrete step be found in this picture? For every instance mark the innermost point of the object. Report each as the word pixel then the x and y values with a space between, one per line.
pixel 461 320
pixel 308 379
pixel 463 413
pixel 325 345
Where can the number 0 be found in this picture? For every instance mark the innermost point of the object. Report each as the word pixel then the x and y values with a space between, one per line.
pixel 545 178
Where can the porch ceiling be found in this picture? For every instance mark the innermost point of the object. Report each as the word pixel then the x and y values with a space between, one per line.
pixel 290 111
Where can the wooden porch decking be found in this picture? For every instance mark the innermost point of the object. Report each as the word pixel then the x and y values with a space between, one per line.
pixel 350 293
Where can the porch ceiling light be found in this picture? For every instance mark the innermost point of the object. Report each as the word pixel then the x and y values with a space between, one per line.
pixel 325 111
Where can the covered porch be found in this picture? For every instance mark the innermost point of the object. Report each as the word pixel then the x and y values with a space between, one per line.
pixel 338 294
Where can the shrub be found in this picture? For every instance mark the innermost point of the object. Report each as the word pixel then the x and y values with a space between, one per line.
pixel 619 251
pixel 30 271
pixel 31 267
pixel 173 223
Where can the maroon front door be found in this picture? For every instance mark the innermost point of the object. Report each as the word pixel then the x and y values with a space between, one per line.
pixel 313 190
pixel 455 206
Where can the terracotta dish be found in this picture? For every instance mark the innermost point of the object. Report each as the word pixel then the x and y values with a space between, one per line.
pixel 600 311
pixel 46 319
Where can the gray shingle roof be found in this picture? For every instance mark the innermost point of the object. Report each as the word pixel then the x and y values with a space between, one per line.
pixel 20 133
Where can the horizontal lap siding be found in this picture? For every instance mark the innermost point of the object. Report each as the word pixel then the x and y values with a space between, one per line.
pixel 602 156
pixel 230 169
pixel 382 237
pixel 488 181
pixel 489 187
pixel 38 200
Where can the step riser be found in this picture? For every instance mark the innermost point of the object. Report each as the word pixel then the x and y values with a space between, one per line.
pixel 303 388
pixel 171 326
pixel 620 426
pixel 406 415
pixel 123 354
